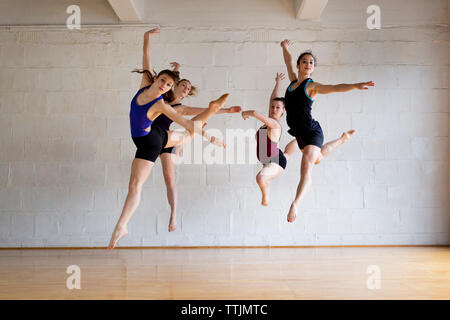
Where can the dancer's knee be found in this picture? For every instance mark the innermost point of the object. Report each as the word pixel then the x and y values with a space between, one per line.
pixel 306 167
pixel 135 186
pixel 134 189
pixel 260 179
pixel 170 183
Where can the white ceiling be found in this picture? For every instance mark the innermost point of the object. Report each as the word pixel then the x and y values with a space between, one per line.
pixel 162 12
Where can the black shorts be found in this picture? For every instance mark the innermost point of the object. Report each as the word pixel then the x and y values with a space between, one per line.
pixel 150 146
pixel 279 160
pixel 314 137
pixel 168 150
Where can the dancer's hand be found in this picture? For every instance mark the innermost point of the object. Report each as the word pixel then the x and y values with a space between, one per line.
pixel 364 85
pixel 279 77
pixel 218 142
pixel 175 66
pixel 285 43
pixel 246 114
pixel 234 109
pixel 152 32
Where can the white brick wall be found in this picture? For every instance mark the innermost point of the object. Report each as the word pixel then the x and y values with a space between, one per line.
pixel 65 147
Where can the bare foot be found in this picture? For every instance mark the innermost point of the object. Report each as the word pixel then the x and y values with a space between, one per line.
pixel 265 194
pixel 292 213
pixel 215 105
pixel 172 224
pixel 346 135
pixel 118 233
pixel 264 201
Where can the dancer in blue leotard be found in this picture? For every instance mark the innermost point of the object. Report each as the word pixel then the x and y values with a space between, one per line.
pixel 299 99
pixel 146 105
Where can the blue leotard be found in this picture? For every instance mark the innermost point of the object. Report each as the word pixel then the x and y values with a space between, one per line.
pixel 138 116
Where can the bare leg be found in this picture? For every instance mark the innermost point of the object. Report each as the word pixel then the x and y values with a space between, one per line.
pixel 268 172
pixel 214 106
pixel 328 147
pixel 140 170
pixel 176 138
pixel 290 148
pixel 310 154
pixel 168 167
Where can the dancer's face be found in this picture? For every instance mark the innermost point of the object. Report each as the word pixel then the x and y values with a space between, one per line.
pixel 306 64
pixel 164 83
pixel 276 109
pixel 182 89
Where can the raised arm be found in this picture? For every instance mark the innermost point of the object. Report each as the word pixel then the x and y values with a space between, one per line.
pixel 193 111
pixel 319 88
pixel 175 66
pixel 288 60
pixel 271 123
pixel 146 65
pixel 276 89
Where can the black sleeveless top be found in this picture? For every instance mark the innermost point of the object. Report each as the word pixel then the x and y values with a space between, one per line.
pixel 298 110
pixel 163 121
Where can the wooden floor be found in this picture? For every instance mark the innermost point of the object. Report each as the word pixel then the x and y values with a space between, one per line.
pixel 234 273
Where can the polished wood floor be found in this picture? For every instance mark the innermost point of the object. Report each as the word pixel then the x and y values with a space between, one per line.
pixel 231 273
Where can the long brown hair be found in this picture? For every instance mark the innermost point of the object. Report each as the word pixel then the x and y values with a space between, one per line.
pixel 151 77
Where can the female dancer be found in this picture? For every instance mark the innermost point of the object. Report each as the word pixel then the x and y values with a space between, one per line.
pixel 273 159
pixel 181 90
pixel 146 105
pixel 299 99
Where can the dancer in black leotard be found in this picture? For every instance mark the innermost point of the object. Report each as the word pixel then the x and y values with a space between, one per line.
pixel 299 99
pixel 273 159
pixel 145 107
pixel 181 90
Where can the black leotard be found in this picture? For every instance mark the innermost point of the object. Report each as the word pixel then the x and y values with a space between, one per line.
pixel 301 124
pixel 164 123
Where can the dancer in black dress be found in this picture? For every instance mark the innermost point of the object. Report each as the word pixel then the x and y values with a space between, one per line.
pixel 298 102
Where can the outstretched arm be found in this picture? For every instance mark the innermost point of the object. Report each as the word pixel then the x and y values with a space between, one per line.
pixel 146 65
pixel 271 123
pixel 214 140
pixel 288 60
pixel 193 111
pixel 318 88
pixel 171 113
pixel 191 126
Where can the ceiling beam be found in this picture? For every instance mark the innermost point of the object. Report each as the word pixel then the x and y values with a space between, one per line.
pixel 125 10
pixel 309 9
